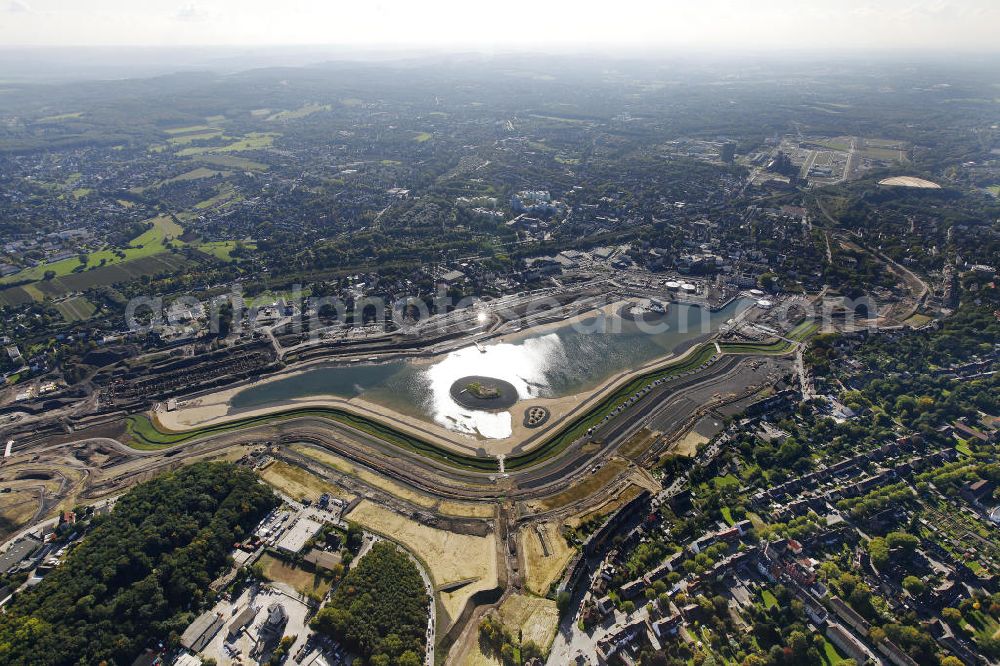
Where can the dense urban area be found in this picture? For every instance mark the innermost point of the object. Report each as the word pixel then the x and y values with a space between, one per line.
pixel 292 368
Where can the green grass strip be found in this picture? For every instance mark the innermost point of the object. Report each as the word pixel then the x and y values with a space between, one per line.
pixel 146 435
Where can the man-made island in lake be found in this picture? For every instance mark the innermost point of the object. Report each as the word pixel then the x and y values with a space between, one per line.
pixel 486 393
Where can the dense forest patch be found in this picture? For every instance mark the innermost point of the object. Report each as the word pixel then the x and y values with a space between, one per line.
pixel 380 610
pixel 140 573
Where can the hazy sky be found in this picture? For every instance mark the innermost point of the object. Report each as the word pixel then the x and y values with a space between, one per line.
pixel 663 24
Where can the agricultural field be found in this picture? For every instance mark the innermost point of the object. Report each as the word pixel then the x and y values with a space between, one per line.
pixel 160 264
pixel 75 308
pixel 886 149
pixel 16 296
pixel 232 162
pixel 150 242
pixel 184 139
pixel 840 143
pixel 297 483
pixel 532 618
pixel 194 174
pixel 189 129
pixel 626 495
pixel 884 154
pixel 399 490
pixel 476 570
pixel 308 583
pixel 535 617
pixel 146 254
pixel 226 194
pixel 301 112
pixel 585 488
pixel 222 249
pixel 392 487
pixel 61 116
pixel 252 141
pixel 559 119
pixel 544 563
pixel 16 509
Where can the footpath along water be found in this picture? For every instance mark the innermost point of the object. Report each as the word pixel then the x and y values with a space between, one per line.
pixel 552 363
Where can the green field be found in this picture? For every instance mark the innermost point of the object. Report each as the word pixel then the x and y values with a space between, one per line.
pixel 61 116
pixel 726 481
pixel 830 654
pixel 770 601
pixel 252 141
pixel 778 348
pixel 917 320
pixel 558 119
pixel 226 193
pixel 831 144
pixel 76 308
pixel 15 296
pixel 422 136
pixel 886 154
pixel 193 174
pixel 190 129
pixel 301 112
pixel 804 330
pixel 144 434
pixel 183 139
pixel 981 625
pixel 145 245
pixel 222 249
pixel 232 162
pixel 126 271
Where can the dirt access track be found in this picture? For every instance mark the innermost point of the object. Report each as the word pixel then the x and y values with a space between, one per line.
pixel 407 487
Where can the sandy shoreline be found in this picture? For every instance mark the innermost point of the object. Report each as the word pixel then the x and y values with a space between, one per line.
pixel 214 410
pixel 215 407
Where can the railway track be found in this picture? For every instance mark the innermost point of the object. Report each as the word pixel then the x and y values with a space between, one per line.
pixel 669 402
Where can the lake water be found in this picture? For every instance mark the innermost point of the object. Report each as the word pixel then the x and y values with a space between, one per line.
pixel 560 361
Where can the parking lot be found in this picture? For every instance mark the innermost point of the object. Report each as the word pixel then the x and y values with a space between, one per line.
pixel 251 643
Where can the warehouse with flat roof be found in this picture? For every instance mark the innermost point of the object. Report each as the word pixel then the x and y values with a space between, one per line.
pixel 295 538
pixel 200 632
